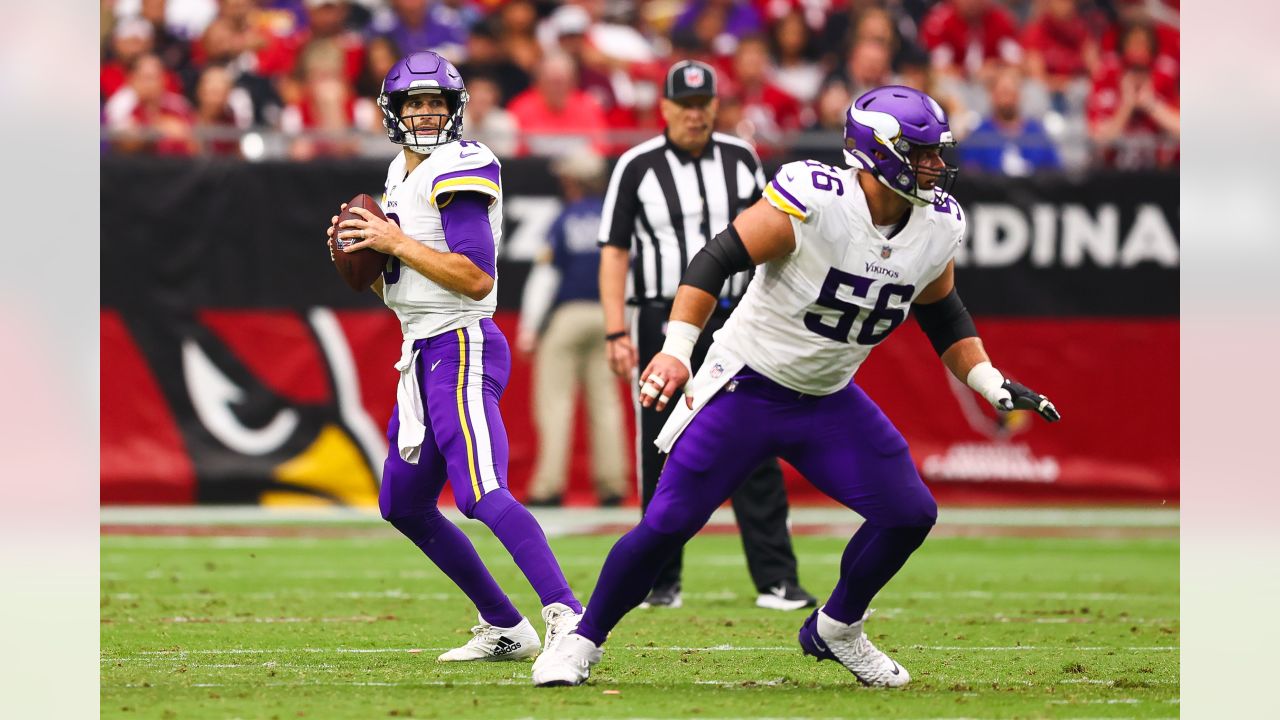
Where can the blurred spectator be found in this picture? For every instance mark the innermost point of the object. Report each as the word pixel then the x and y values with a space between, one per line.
pixel 172 50
pixel 864 20
pixel 570 343
pixel 717 25
pixel 439 25
pixel 831 106
pixel 131 38
pixel 1133 109
pixel 359 12
pixel 380 53
pixel 1160 15
pixel 813 13
pixel 485 57
pixel 487 121
pixel 1060 45
pixel 1006 142
pixel 516 22
pixel 321 101
pixel 655 21
pixel 767 111
pixel 621 43
pixel 866 68
pixel 569 25
pixel 219 114
pixel 796 67
pixel 327 25
pixel 914 70
pixel 270 36
pixel 183 18
pixel 145 117
pixel 222 46
pixel 966 37
pixel 554 115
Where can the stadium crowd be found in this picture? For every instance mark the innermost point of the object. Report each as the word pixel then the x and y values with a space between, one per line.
pixel 1029 84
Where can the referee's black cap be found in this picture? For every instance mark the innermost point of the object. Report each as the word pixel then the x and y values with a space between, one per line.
pixel 688 79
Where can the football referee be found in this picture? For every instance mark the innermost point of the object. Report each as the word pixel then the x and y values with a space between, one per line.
pixel 666 197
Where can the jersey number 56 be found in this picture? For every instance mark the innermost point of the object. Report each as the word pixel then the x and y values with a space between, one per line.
pixel 848 313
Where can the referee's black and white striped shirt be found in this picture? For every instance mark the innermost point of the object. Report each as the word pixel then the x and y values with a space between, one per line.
pixel 663 205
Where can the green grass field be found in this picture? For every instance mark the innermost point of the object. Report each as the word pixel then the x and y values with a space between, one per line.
pixel 345 622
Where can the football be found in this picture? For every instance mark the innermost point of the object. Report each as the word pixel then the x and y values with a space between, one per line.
pixel 362 267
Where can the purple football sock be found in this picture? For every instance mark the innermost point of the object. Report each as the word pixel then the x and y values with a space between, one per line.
pixel 874 554
pixel 626 578
pixel 451 551
pixel 522 536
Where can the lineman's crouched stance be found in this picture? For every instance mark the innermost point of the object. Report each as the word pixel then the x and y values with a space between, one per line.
pixel 842 255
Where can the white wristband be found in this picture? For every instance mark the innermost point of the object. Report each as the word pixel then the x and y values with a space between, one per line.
pixel 986 380
pixel 681 337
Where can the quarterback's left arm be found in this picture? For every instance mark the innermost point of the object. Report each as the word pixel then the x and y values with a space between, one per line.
pixel 950 329
pixel 467 268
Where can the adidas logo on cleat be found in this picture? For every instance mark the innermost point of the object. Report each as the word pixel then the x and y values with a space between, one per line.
pixel 506 646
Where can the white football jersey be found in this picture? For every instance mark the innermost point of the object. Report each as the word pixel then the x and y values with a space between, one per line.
pixel 424 308
pixel 808 320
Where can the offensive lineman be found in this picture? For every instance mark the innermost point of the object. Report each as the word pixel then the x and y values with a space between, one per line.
pixel 444 220
pixel 843 255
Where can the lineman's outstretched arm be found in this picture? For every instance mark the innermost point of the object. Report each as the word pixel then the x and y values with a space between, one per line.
pixel 760 234
pixel 950 329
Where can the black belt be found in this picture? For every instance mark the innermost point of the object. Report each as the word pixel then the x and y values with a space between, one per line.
pixel 724 306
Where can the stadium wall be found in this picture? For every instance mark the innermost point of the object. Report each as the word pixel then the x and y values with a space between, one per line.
pixel 237 368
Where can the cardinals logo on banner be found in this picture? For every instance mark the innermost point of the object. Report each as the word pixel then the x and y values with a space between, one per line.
pixel 267 406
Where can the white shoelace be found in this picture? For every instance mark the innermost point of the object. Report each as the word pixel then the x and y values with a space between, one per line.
pixel 482 633
pixel 556 627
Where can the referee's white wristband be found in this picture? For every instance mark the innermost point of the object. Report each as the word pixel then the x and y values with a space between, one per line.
pixel 681 337
pixel 985 380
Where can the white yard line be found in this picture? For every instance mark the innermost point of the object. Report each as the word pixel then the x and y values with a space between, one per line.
pixel 569 520
pixel 641 649
pixel 401 594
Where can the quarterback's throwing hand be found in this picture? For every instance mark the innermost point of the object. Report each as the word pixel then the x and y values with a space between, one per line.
pixel 1016 396
pixel 662 379
pixel 371 232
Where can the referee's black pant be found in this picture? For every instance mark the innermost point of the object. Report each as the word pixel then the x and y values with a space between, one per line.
pixel 760 503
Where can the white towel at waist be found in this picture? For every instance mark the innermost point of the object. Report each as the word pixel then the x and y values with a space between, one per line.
pixel 412 414
pixel 717 369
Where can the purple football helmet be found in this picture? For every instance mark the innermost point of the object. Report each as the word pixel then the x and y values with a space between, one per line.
pixel 880 130
pixel 427 73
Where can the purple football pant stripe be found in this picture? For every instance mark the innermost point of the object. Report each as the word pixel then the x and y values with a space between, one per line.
pixel 454 450
pixel 481 359
pixel 410 494
pixel 842 443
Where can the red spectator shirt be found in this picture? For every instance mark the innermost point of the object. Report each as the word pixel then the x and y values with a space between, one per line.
pixel 580 117
pixel 951 40
pixel 127 113
pixel 114 75
pixel 1061 43
pixel 1104 101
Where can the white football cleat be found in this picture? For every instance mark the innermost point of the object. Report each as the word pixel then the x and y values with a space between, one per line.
pixel 492 643
pixel 568 663
pixel 560 621
pixel 828 639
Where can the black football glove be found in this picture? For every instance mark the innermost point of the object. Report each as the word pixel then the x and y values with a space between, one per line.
pixel 1022 397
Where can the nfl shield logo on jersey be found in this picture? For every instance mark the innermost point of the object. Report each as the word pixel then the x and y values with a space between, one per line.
pixel 694 77
pixel 717 370
pixel 885 251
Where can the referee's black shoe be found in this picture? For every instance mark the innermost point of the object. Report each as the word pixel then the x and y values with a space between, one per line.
pixel 663 597
pixel 786 595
